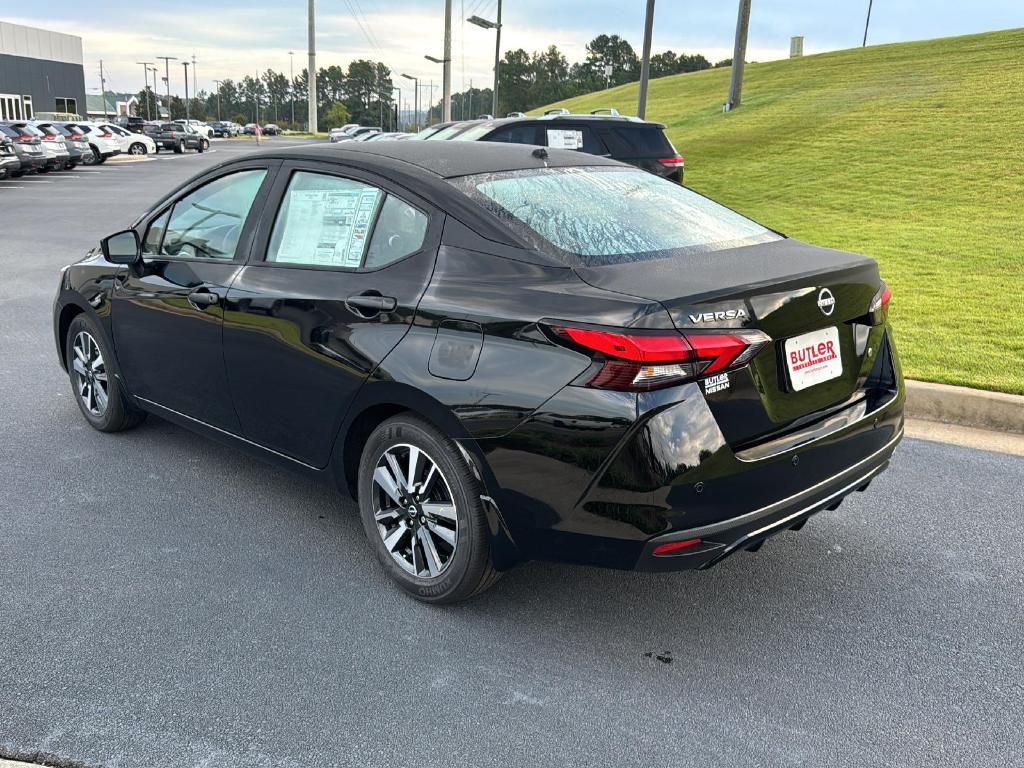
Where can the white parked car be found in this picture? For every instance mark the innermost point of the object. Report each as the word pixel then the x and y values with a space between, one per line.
pixel 131 143
pixel 101 140
pixel 200 126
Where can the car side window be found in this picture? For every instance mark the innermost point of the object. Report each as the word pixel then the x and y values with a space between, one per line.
pixel 154 234
pixel 324 221
pixel 517 134
pixel 399 231
pixel 207 223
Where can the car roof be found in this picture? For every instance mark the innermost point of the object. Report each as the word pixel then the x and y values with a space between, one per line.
pixel 446 159
pixel 627 121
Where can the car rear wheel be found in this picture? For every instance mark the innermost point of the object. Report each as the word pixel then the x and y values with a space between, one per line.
pixel 179 148
pixel 99 394
pixel 421 509
pixel 204 145
pixel 137 149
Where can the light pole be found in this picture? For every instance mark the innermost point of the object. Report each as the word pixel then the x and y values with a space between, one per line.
pixel 185 65
pixel 645 63
pixel 195 82
pixel 416 97
pixel 864 44
pixel 495 25
pixel 217 83
pixel 291 85
pixel 152 93
pixel 311 79
pixel 446 110
pixel 739 53
pixel 398 108
pixel 167 78
pixel 145 74
pixel 446 76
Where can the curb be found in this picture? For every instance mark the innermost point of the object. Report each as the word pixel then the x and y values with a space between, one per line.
pixel 994 411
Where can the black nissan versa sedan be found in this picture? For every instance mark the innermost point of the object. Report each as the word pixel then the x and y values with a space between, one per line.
pixel 502 352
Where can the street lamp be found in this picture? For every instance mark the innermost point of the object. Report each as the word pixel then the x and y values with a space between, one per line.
pixel 185 65
pixel 416 98
pixel 495 25
pixel 398 108
pixel 445 107
pixel 291 85
pixel 217 83
pixel 145 91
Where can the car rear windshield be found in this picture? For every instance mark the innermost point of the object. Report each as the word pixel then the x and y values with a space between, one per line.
pixel 637 141
pixel 599 215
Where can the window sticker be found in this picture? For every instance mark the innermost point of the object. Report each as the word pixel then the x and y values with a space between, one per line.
pixel 327 227
pixel 565 139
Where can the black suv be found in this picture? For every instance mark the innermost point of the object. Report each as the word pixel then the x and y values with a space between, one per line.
pixel 602 132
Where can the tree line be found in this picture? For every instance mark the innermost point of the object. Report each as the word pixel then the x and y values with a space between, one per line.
pixel 365 91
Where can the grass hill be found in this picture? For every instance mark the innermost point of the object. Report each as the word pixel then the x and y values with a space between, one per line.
pixel 912 153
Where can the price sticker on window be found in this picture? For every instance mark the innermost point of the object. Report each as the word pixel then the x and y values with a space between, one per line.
pixel 565 139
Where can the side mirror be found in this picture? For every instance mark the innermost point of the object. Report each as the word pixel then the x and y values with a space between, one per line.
pixel 123 247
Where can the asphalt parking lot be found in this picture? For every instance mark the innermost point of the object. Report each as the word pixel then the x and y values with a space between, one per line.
pixel 167 601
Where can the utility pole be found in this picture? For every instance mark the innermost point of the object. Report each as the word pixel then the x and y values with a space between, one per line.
pixel 446 77
pixel 185 65
pixel 167 79
pixel 195 86
pixel 311 79
pixel 415 98
pixel 103 90
pixel 645 63
pixel 291 84
pixel 864 44
pixel 156 99
pixel 217 83
pixel 739 53
pixel 145 74
pixel 496 26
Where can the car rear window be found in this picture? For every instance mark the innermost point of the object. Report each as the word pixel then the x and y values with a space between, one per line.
pixel 595 216
pixel 637 141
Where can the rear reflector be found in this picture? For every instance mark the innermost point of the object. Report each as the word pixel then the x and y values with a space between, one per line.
pixel 674 546
pixel 644 361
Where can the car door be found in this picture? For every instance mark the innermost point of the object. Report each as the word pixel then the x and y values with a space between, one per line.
pixel 331 288
pixel 168 311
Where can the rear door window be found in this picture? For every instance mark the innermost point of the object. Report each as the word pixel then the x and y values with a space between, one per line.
pixel 518 134
pixel 324 221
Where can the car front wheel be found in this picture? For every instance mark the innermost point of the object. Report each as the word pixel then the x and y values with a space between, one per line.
pixel 137 149
pixel 98 392
pixel 421 509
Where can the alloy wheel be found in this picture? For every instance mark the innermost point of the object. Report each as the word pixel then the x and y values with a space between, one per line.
pixel 137 149
pixel 90 374
pixel 414 511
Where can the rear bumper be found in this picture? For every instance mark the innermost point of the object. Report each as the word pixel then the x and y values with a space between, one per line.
pixel 598 478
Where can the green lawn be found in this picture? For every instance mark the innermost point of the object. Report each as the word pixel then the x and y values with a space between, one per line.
pixel 912 153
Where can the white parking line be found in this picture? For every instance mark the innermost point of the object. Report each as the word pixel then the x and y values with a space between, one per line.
pixel 10 186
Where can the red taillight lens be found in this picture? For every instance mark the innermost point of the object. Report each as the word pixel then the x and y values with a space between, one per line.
pixel 78 137
pixel 672 162
pixel 106 135
pixel 880 303
pixel 673 547
pixel 644 361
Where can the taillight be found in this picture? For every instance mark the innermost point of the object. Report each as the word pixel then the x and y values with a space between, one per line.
pixel 106 135
pixel 672 547
pixel 881 300
pixel 632 361
pixel 23 139
pixel 78 137
pixel 672 162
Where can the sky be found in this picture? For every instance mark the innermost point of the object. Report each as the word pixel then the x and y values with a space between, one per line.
pixel 231 38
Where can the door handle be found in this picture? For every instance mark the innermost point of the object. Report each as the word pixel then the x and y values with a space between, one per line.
pixel 203 298
pixel 370 304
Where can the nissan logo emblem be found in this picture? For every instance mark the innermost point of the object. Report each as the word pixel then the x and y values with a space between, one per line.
pixel 826 301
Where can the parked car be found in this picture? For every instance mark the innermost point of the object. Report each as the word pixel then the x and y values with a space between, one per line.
pixel 54 143
pixel 393 136
pixel 9 162
pixel 198 126
pixel 338 134
pixel 130 123
pixel 603 132
pixel 222 129
pixel 250 129
pixel 102 141
pixel 27 146
pixel 271 129
pixel 364 131
pixel 348 127
pixel 178 137
pixel 430 130
pixel 132 143
pixel 78 147
pixel 667 382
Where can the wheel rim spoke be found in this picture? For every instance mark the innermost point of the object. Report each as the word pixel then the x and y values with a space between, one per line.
pixel 90 374
pixel 416 518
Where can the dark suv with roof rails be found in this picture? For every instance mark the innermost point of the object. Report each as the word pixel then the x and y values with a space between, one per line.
pixel 602 132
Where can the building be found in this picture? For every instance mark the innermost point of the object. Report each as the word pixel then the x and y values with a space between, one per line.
pixel 40 71
pixel 110 105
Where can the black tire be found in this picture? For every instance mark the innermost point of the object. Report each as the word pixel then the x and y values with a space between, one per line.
pixel 179 147
pixel 101 159
pixel 468 570
pixel 71 166
pixel 118 413
pixel 137 148
pixel 203 146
